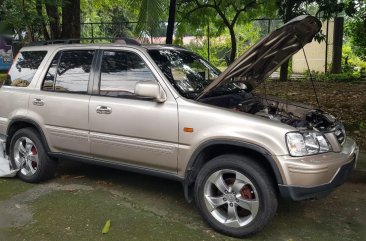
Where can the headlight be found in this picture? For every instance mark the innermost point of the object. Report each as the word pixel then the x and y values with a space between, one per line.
pixel 307 143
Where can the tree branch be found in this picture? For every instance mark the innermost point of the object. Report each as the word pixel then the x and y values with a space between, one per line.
pixel 238 12
pixel 214 6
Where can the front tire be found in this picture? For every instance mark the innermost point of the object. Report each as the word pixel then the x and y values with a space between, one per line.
pixel 235 195
pixel 28 154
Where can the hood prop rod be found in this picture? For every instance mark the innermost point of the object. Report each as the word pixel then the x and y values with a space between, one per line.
pixel 311 78
pixel 310 74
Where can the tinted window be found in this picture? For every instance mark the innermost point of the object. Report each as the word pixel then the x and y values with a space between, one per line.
pixel 120 71
pixel 189 73
pixel 24 68
pixel 49 79
pixel 73 71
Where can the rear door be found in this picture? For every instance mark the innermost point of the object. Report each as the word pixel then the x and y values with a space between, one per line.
pixel 131 130
pixel 62 105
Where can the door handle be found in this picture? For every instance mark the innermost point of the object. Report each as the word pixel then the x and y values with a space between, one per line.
pixel 38 102
pixel 104 109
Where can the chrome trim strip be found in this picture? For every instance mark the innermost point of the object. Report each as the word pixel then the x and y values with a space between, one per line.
pixel 67 132
pixel 137 143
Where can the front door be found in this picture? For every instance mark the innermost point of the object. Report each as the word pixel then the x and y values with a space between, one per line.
pixel 127 128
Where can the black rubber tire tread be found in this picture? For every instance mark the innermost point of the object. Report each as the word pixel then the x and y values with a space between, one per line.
pixel 265 188
pixel 46 167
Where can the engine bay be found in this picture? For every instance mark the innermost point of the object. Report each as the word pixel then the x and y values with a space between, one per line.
pixel 290 113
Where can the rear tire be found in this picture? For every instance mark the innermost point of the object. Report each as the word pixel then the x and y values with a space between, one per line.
pixel 27 152
pixel 235 195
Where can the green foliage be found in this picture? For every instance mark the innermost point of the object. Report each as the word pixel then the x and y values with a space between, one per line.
pixel 20 17
pixel 355 27
pixel 112 18
pixel 351 61
pixel 362 125
pixel 328 77
pixel 223 15
pixel 150 15
pixel 326 9
pixel 220 46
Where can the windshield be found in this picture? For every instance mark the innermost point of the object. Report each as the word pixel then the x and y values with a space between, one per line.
pixel 188 72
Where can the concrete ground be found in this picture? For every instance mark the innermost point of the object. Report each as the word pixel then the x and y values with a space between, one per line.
pixel 76 204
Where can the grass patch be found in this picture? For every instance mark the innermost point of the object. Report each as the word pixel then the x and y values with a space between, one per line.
pixel 81 215
pixel 10 187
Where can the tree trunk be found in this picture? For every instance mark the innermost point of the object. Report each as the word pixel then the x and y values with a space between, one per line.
pixel 233 45
pixel 54 18
pixel 1 10
pixel 337 45
pixel 284 71
pixel 171 22
pixel 71 19
pixel 40 16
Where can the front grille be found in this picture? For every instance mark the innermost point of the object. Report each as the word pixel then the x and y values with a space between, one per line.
pixel 340 134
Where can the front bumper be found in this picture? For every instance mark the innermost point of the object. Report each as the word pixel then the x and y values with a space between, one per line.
pixel 316 176
pixel 301 193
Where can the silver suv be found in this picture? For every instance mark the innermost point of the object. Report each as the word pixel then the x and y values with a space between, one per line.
pixel 165 111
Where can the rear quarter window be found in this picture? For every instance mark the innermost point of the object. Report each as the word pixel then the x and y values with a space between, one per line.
pixel 24 68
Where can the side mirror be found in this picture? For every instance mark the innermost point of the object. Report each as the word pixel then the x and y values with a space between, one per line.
pixel 150 89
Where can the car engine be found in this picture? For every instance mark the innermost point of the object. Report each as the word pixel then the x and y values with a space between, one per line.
pixel 290 113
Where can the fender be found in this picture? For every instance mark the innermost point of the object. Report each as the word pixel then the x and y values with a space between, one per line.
pixel 190 170
pixel 31 123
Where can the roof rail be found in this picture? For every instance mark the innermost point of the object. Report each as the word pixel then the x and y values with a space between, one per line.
pixel 119 40
pixel 165 45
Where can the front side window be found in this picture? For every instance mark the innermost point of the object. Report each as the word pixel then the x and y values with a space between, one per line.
pixel 120 71
pixel 69 72
pixel 24 68
pixel 188 72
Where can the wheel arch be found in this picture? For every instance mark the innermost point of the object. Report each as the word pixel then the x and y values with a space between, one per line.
pixel 20 123
pixel 210 149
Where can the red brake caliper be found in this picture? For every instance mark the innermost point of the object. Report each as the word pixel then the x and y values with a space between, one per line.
pixel 34 153
pixel 247 192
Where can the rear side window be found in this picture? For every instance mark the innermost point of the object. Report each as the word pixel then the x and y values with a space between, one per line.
pixel 24 68
pixel 69 72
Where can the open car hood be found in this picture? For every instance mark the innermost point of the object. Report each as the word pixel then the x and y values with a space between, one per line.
pixel 263 58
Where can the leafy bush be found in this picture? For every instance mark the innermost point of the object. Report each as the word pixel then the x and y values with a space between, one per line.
pixel 328 77
pixel 351 62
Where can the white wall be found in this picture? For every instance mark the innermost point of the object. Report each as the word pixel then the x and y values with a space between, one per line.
pixel 315 53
